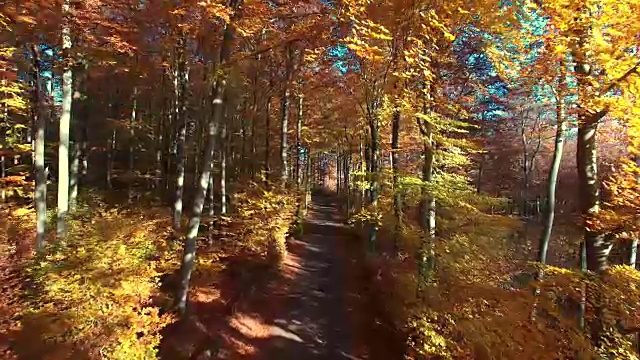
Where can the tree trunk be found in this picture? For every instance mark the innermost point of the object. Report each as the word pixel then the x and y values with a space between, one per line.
pixel 132 139
pixel 181 120
pixel 111 148
pixel 65 121
pixel 267 137
pixel 242 165
pixel 597 246
pixel 74 175
pixel 308 181
pixel 254 125
pixel 284 173
pixel 395 168
pixel 3 191
pixel 189 254
pixel 428 204
pixel 374 166
pixel 361 177
pixel 223 169
pixel 84 152
pixel 347 183
pixel 299 144
pixel 633 246
pixel 480 174
pixel 524 192
pixel 40 195
pixel 582 262
pixel 553 172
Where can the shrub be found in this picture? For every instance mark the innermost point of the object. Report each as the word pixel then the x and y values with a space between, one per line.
pixel 265 218
pixel 94 289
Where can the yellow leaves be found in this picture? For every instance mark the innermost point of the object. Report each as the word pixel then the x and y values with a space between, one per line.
pixel 217 10
pixel 364 49
pixel 100 282
pixel 426 337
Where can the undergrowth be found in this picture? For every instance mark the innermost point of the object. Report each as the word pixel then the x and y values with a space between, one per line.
pixel 478 301
pixel 91 294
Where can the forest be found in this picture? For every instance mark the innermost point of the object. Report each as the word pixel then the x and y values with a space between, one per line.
pixel 319 179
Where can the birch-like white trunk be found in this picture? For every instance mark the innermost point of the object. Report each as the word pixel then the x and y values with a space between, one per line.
pixel 65 121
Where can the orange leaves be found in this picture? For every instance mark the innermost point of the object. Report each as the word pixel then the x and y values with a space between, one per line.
pixel 216 10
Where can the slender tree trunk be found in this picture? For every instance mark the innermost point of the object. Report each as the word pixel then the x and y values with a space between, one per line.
pixel 254 122
pixel 480 174
pixel 299 144
pixel 553 172
pixel 84 152
pixel 338 176
pixel 65 121
pixel 223 169
pixel 633 246
pixel 111 149
pixel 189 253
pixel 347 178
pixel 524 192
pixel 374 165
pixel 78 161
pixel 363 172
pixel 181 120
pixel 395 168
pixel 582 262
pixel 74 175
pixel 428 204
pixel 308 181
pixel 3 192
pixel 132 139
pixel 552 182
pixel 188 260
pixel 242 166
pixel 267 137
pixel 284 173
pixel 41 174
pixel 211 178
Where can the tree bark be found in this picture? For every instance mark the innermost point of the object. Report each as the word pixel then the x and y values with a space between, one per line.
pixel 223 169
pixel 428 204
pixel 188 260
pixel 597 246
pixel 181 136
pixel 374 166
pixel 299 144
pixel 553 172
pixel 40 195
pixel 74 174
pixel 132 134
pixel 267 137
pixel 111 148
pixel 65 121
pixel 395 168
pixel 284 104
pixel 190 246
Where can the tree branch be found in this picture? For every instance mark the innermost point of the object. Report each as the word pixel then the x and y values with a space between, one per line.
pixel 617 81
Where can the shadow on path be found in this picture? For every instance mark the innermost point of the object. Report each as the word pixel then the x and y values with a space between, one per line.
pixel 313 310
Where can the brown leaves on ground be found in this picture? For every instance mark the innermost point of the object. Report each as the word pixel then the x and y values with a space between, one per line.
pixel 17 237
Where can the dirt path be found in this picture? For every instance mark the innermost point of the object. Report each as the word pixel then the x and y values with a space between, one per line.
pixel 311 313
pixel 314 307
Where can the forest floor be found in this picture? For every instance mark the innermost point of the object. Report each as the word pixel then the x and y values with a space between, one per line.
pixel 315 306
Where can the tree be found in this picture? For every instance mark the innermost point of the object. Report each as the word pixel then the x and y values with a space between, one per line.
pixel 65 121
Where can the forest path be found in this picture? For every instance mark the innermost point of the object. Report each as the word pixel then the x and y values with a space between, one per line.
pixel 305 311
pixel 311 316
